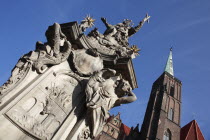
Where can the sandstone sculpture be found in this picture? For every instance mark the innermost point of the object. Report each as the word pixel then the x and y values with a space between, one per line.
pixel 66 86
pixel 104 91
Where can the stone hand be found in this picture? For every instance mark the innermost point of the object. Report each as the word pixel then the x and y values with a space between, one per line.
pixel 147 17
pixel 103 19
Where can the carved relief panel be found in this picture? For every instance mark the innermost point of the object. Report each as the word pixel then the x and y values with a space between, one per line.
pixel 43 110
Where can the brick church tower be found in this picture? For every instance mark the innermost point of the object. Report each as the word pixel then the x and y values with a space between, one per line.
pixel 162 117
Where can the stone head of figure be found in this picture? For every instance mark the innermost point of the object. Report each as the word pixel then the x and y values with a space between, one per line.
pixel 123 88
pixel 127 22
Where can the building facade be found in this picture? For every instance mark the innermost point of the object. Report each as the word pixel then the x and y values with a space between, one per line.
pixel 114 129
pixel 162 117
pixel 163 114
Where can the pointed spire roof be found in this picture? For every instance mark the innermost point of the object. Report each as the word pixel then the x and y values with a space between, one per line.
pixel 169 64
pixel 191 131
pixel 118 116
pixel 136 128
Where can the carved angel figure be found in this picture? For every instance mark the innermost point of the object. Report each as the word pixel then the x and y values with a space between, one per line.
pixel 122 31
pixel 114 41
pixel 103 92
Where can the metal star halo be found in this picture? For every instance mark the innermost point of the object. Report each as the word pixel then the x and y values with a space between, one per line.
pixel 135 49
pixel 89 20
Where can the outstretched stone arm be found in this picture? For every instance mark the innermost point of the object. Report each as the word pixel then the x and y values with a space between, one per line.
pixel 125 100
pixel 105 22
pixel 133 30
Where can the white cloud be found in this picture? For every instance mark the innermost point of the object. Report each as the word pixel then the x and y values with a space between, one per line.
pixel 189 24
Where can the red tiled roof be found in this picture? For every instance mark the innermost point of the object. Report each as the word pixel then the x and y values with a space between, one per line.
pixel 184 131
pixel 125 129
pixel 191 131
pixel 110 118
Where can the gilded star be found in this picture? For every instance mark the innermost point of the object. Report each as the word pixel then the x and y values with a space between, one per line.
pixel 135 49
pixel 89 20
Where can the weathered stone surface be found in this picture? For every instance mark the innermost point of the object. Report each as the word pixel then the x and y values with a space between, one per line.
pixel 87 61
pixel 104 91
pixel 66 86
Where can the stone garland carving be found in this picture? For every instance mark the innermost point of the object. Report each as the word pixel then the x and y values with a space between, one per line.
pixel 104 91
pixel 54 51
pixel 19 71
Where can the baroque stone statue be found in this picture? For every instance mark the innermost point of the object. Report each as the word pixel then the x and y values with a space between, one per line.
pixel 64 89
pixel 116 36
pixel 104 91
pixel 122 31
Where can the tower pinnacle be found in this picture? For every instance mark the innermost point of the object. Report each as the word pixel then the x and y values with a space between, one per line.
pixel 169 64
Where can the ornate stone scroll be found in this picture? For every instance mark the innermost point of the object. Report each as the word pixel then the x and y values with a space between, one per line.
pixel 19 72
pixel 53 52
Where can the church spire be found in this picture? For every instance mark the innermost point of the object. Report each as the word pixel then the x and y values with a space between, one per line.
pixel 169 64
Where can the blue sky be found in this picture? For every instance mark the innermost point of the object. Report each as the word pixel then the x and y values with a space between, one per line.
pixel 183 24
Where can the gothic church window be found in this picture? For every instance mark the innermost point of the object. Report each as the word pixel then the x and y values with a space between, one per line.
pixel 171 114
pixel 116 122
pixel 165 87
pixel 167 135
pixel 112 131
pixel 172 91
